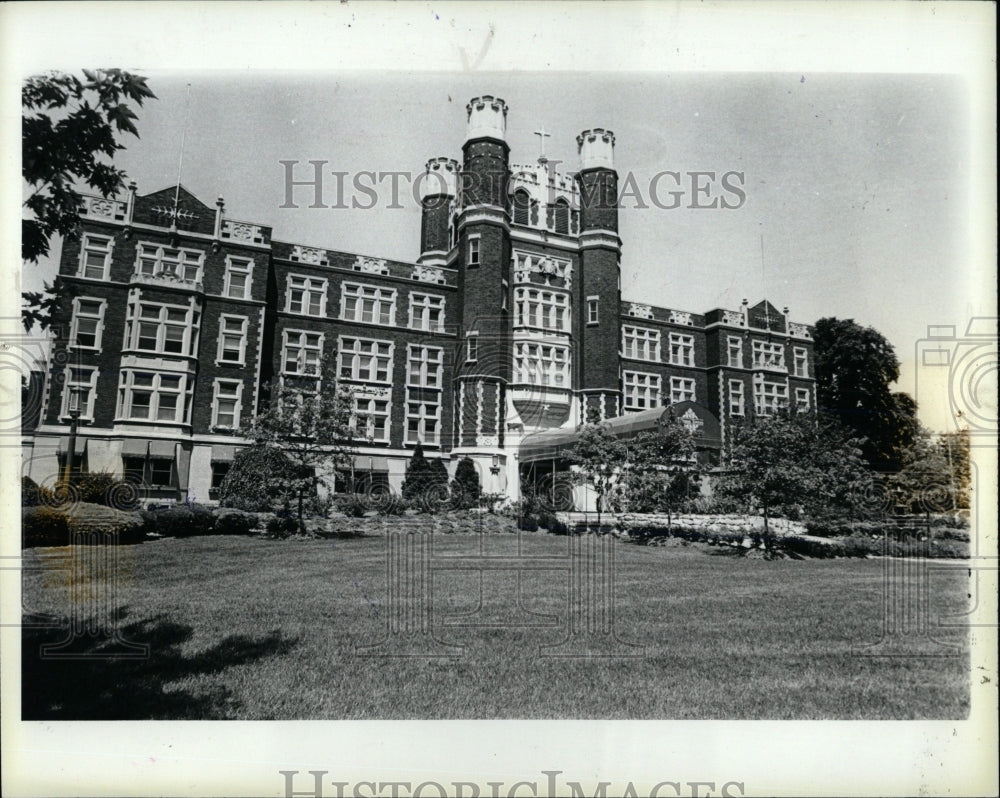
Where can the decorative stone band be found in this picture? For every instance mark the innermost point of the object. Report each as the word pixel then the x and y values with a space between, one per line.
pixel 734 317
pixel 484 213
pixel 600 238
pixel 799 331
pixel 640 311
pixel 428 274
pixel 244 232
pixel 311 255
pixel 107 209
pixel 370 265
pixel 433 257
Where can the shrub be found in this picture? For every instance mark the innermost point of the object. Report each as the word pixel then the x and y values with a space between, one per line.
pixel 254 479
pixel 554 525
pixel 44 526
pixel 528 523
pixel 352 505
pixel 465 489
pixel 229 521
pixel 282 525
pixel 96 487
pixel 182 520
pixel 126 527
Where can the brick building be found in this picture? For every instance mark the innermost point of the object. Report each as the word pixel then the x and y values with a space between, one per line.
pixel 508 325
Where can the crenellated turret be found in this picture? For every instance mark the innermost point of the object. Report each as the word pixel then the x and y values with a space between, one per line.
pixel 438 192
pixel 600 283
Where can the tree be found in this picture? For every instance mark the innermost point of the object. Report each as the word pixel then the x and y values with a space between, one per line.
pixel 243 487
pixel 312 422
pixel 935 476
pixel 793 459
pixel 662 467
pixel 465 489
pixel 855 367
pixel 598 456
pixel 426 482
pixel 68 126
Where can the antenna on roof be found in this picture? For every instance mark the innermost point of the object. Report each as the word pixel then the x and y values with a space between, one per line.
pixel 180 159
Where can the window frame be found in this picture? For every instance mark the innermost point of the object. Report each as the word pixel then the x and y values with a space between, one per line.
pixel 134 321
pixel 357 293
pixel 159 258
pixel 422 418
pixel 736 340
pixel 357 354
pixel 107 248
pixel 244 336
pixel 78 315
pixel 549 367
pixel 760 395
pixel 90 401
pixel 653 338
pixel 424 365
pixel 474 251
pixel 127 389
pixel 739 395
pixel 644 382
pixel 418 302
pixel 684 344
pixel 237 406
pixel 234 265
pixel 535 302
pixel 304 347
pixel 593 311
pixel 679 385
pixel 763 348
pixel 800 357
pixel 319 285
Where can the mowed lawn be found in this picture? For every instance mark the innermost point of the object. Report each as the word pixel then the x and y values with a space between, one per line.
pixel 247 628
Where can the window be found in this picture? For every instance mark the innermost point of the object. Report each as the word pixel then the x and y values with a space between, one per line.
pixel 473 251
pixel 800 360
pixel 219 472
pixel 153 396
pixel 371 417
pixel 88 320
pixel 681 390
pixel 541 364
pixel 365 360
pixel 82 382
pixel 561 217
pixel 734 347
pixel 802 398
pixel 681 349
pixel 95 256
pixel 306 295
pixel 367 304
pixel 164 329
pixel 154 471
pixel 640 343
pixel 226 404
pixel 504 294
pixel 592 317
pixel 239 275
pixel 423 367
pixel 232 339
pixel 768 356
pixel 547 310
pixel 769 397
pixel 423 421
pixel 301 352
pixel 427 312
pixel 471 349
pixel 183 265
pixel 736 398
pixel 522 208
pixel 642 391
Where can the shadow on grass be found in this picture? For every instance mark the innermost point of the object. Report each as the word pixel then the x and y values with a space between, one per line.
pixel 92 688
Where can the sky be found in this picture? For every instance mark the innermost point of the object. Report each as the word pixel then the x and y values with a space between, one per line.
pixel 857 198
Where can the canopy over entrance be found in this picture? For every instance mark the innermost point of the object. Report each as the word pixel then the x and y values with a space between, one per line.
pixel 555 443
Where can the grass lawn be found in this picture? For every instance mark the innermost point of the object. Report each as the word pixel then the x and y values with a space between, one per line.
pixel 254 629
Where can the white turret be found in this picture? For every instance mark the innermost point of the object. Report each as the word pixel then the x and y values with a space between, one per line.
pixel 487 117
pixel 440 177
pixel 596 148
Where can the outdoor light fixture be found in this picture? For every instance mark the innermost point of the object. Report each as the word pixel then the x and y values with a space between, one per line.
pixel 495 468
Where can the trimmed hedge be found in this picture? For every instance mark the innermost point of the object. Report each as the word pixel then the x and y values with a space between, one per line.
pixel 48 526
pixel 180 520
pixel 44 526
pixel 230 521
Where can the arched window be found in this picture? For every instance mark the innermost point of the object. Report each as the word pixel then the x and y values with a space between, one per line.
pixel 522 207
pixel 454 229
pixel 561 222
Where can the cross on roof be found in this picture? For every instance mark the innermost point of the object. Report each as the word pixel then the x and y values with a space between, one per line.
pixel 542 135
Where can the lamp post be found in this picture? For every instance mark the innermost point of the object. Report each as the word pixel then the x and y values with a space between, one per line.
pixel 74 419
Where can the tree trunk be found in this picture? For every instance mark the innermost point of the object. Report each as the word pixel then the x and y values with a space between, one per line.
pixel 767 531
pixel 302 527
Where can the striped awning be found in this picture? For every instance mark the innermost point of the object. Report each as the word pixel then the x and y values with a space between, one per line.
pixel 163 450
pixel 223 453
pixel 364 462
pixel 134 447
